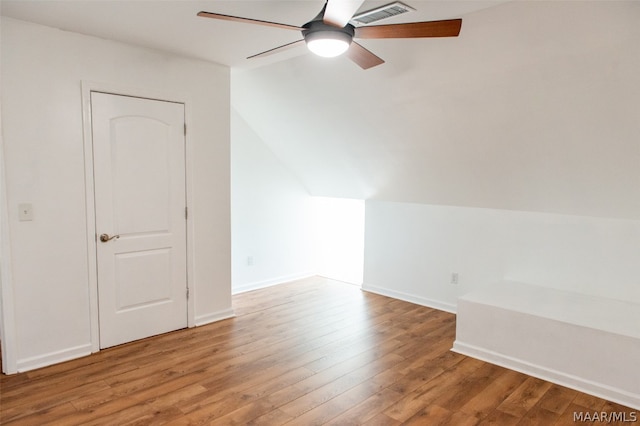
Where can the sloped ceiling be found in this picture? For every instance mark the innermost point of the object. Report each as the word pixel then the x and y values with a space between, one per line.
pixel 536 106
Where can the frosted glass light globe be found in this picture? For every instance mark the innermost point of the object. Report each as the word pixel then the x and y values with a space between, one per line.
pixel 328 47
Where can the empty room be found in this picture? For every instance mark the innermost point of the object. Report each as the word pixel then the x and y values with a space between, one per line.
pixel 350 212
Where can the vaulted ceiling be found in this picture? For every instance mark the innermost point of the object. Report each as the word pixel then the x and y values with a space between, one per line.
pixel 533 107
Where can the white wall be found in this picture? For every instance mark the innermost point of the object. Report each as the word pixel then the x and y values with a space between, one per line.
pixel 411 250
pixel 42 70
pixel 273 215
pixel 528 123
pixel 340 238
pixel 528 126
pixel 281 233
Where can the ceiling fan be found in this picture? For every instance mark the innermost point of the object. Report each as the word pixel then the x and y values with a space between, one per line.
pixel 330 33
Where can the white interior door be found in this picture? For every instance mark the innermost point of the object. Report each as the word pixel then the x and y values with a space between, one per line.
pixel 140 205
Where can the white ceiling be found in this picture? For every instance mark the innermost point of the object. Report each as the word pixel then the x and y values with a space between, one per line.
pixel 534 107
pixel 172 25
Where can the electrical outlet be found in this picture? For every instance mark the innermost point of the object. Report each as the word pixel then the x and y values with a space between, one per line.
pixel 249 260
pixel 454 278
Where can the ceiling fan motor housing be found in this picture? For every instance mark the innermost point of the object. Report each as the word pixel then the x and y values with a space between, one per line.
pixel 315 30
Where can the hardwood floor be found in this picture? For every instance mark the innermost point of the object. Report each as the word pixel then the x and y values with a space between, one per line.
pixel 309 352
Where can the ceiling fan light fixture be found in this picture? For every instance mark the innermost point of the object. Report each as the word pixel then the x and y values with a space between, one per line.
pixel 327 47
pixel 328 44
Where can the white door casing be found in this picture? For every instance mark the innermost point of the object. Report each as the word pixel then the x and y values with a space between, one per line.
pixel 140 201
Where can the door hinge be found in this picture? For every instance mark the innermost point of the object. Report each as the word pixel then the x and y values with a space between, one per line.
pixel 186 212
pixel 185 129
pixel 187 293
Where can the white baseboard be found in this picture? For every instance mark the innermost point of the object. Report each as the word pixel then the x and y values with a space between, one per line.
pixel 51 358
pixel 270 282
pixel 418 300
pixel 68 354
pixel 214 316
pixel 597 389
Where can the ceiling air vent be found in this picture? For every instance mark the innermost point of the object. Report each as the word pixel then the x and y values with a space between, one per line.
pixel 380 13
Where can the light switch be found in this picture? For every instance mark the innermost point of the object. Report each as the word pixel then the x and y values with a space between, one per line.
pixel 25 212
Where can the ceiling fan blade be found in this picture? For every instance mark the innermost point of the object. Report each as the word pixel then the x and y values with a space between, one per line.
pixel 247 20
pixel 447 28
pixel 278 49
pixel 339 12
pixel 361 56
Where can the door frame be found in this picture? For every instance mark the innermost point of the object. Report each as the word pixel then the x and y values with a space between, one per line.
pixel 87 88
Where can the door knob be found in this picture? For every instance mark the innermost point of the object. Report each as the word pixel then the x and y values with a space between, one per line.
pixel 105 237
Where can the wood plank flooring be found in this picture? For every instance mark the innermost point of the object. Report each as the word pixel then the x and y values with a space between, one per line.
pixel 310 352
